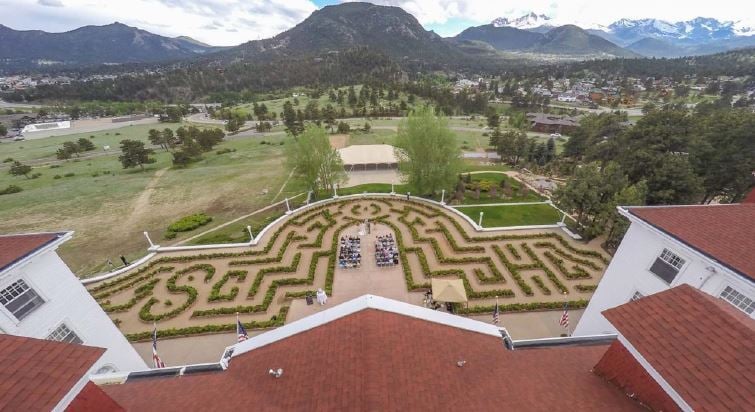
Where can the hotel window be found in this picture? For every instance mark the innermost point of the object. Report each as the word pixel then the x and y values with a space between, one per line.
pixel 636 296
pixel 20 299
pixel 64 334
pixel 738 299
pixel 667 265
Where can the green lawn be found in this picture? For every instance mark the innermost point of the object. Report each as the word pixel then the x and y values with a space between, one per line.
pixel 519 215
pixel 109 207
pixel 237 232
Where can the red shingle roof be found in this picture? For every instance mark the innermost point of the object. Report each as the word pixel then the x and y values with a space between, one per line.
pixel 93 399
pixel 702 346
pixel 375 360
pixel 724 232
pixel 36 374
pixel 15 247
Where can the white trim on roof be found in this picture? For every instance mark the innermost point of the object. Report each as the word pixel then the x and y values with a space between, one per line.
pixel 670 391
pixel 358 304
pixel 53 245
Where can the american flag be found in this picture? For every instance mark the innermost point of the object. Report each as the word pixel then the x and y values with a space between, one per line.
pixel 156 359
pixel 241 331
pixel 496 314
pixel 565 317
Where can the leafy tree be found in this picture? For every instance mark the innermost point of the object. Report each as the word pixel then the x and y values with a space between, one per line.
pixel 343 127
pixel 674 182
pixel 367 127
pixel 314 160
pixel 20 169
pixel 429 156
pixel 172 114
pixel 133 153
pixel 3 130
pixel 156 138
pixel 589 194
pixel 168 138
pixel 85 145
pixel 62 154
pixel 72 148
pixel 494 119
pixel 723 153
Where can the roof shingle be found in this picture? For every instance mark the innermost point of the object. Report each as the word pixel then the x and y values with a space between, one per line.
pixel 724 232
pixel 377 360
pixel 15 247
pixel 702 346
pixel 36 374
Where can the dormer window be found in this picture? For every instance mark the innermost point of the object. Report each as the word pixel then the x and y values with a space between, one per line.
pixel 667 265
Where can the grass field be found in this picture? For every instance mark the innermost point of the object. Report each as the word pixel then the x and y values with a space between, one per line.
pixel 518 215
pixel 109 207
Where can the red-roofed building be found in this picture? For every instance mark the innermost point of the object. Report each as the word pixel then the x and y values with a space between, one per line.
pixel 710 247
pixel 41 298
pixel 41 375
pixel 375 354
pixel 683 349
pixel 676 350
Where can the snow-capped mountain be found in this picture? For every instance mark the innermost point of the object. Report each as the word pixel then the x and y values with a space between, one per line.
pixel 526 22
pixel 696 31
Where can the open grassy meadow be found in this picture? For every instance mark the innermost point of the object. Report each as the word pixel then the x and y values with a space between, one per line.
pixel 109 207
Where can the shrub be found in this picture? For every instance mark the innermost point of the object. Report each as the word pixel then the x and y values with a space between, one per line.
pixel 69 174
pixel 57 177
pixel 10 190
pixel 54 166
pixel 8 160
pixel 36 175
pixel 189 223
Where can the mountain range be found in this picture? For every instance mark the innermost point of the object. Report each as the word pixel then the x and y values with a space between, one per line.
pixel 112 43
pixel 388 30
pixel 654 37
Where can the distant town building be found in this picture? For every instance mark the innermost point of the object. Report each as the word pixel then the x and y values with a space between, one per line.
pixel 41 298
pixel 550 123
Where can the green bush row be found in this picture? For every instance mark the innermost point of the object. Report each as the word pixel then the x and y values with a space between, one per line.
pixel 523 307
pixel 139 293
pixel 541 285
pixel 513 251
pixel 207 268
pixel 552 246
pixel 578 272
pixel 514 271
pixel 586 288
pixel 215 295
pixel 275 321
pixel 549 273
pixel 145 313
pixel 127 285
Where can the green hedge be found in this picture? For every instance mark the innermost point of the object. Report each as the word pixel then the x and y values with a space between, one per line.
pixel 215 295
pixel 524 307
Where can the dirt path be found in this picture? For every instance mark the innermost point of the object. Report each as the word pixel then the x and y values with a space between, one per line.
pixel 141 204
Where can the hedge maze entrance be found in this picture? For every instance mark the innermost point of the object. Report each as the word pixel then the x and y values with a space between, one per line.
pixel 197 292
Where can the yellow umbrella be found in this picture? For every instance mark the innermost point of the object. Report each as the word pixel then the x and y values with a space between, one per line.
pixel 449 290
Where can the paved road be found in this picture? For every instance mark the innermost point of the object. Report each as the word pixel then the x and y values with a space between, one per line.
pixel 8 105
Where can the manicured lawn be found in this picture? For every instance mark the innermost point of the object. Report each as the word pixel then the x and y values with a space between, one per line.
pixel 237 232
pixel 519 215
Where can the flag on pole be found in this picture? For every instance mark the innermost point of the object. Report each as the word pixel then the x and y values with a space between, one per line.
pixel 496 313
pixel 565 317
pixel 240 330
pixel 155 358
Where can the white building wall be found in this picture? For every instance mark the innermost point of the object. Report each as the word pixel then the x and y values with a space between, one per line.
pixel 66 300
pixel 629 272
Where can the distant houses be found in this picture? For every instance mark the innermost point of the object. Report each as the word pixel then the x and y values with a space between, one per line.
pixel 550 123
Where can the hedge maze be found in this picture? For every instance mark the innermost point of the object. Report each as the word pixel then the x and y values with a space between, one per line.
pixel 193 292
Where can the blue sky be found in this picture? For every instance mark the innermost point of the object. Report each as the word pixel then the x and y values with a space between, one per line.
pixel 231 22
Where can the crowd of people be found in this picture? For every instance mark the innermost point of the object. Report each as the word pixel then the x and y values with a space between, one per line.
pixel 386 252
pixel 350 255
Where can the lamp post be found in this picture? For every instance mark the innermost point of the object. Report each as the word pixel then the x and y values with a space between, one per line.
pixel 288 208
pixel 309 196
pixel 393 192
pixel 251 235
pixel 335 192
pixel 479 222
pixel 443 197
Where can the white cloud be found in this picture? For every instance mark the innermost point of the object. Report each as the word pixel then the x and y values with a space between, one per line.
pixel 50 3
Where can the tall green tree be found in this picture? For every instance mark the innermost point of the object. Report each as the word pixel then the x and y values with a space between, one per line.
pixel 314 160
pixel 429 156
pixel 20 169
pixel 133 153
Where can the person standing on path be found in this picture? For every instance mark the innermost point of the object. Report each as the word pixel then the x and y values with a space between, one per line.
pixel 322 298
